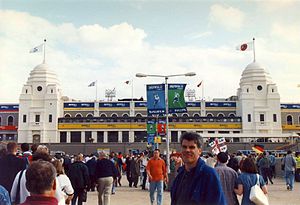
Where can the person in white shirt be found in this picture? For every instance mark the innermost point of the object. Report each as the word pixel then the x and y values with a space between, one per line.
pixel 64 181
pixel 22 182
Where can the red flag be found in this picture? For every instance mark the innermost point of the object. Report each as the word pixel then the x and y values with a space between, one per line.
pixel 245 46
pixel 161 129
pixel 199 84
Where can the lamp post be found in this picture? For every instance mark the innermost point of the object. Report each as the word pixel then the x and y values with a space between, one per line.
pixel 141 75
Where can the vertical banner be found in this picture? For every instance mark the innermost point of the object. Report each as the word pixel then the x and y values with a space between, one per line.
pixel 156 103
pixel 151 130
pixel 176 98
pixel 161 127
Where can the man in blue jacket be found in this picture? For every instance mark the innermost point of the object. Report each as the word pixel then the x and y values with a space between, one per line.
pixel 196 183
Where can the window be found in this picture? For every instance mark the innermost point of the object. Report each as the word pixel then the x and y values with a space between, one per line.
pixel 125 115
pixel 10 121
pixel 50 118
pixel 51 90
pixel 289 120
pixel 39 88
pixel 249 117
pixel 114 115
pixel 26 91
pixel 185 115
pixel 174 136
pixel 67 115
pixel 100 136
pixel 196 115
pixel 259 87
pixel 89 115
pixel 125 136
pixel 112 136
pixel 78 115
pixel 37 118
pixel 24 118
pixel 63 136
pixel 274 118
pixel 261 117
pixel 247 90
pixel 75 136
pixel 231 115
pixel 220 115
pixel 88 136
pixel 209 115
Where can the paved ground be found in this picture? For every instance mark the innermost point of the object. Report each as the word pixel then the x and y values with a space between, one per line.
pixel 278 195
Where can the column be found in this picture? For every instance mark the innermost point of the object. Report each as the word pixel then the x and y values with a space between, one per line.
pixel 82 137
pixel 94 136
pixel 131 136
pixel 68 137
pixel 105 137
pixel 119 136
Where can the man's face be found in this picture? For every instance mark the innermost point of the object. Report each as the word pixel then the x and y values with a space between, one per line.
pixel 156 154
pixel 190 152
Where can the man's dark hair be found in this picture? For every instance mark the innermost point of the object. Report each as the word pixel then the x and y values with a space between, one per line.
pixel 11 146
pixel 40 177
pixel 157 150
pixel 192 136
pixel 222 157
pixel 289 152
pixel 34 148
pixel 25 147
pixel 248 166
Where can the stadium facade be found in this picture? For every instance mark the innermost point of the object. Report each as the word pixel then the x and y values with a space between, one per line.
pixel 44 116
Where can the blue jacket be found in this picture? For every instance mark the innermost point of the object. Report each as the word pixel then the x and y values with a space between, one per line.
pixel 206 185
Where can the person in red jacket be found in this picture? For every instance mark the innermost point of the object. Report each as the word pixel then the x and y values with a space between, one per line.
pixel 157 174
pixel 40 182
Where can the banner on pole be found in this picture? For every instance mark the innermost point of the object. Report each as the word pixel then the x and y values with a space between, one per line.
pixel 150 138
pixel 176 98
pixel 161 127
pixel 156 103
pixel 151 126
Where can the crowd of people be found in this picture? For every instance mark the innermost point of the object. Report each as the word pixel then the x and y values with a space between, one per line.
pixel 32 176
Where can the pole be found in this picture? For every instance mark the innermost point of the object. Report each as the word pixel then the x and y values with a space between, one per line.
pixel 167 124
pixel 253 49
pixel 44 61
pixel 96 90
pixel 156 131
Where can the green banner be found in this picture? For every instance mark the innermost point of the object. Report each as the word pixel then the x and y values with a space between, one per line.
pixel 176 98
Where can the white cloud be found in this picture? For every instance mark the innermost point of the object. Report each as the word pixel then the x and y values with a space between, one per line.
pixel 275 5
pixel 200 35
pixel 229 17
pixel 290 32
pixel 112 55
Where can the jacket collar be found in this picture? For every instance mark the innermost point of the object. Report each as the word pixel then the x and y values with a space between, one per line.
pixel 199 167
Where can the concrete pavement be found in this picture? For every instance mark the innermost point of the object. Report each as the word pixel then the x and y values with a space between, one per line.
pixel 125 195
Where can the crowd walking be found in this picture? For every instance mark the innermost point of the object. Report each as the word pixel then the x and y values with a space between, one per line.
pixel 30 175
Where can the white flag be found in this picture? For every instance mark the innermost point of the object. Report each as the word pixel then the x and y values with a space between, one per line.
pixel 37 49
pixel 245 47
pixel 92 84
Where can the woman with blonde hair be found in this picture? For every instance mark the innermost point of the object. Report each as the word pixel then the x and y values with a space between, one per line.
pixel 64 181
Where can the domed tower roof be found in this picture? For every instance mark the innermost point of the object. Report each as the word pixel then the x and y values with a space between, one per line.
pixel 255 72
pixel 42 73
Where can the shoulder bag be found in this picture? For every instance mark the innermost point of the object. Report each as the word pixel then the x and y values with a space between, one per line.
pixel 257 195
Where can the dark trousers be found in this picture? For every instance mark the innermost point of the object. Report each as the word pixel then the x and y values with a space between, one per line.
pixel 93 182
pixel 266 174
pixel 129 178
pixel 144 180
pixel 77 194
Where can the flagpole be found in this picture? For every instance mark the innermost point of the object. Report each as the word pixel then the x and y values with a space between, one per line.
pixel 96 90
pixel 44 61
pixel 253 49
pixel 202 90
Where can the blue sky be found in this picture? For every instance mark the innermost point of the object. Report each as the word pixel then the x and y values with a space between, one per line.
pixel 110 41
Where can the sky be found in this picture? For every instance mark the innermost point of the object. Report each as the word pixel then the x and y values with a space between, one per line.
pixel 112 40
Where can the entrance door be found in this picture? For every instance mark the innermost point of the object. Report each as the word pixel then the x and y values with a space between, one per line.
pixel 36 138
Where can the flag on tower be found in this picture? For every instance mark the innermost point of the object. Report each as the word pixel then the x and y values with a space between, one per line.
pixel 37 49
pixel 92 84
pixel 199 84
pixel 245 46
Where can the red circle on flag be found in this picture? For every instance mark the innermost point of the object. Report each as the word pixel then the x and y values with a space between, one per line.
pixel 244 47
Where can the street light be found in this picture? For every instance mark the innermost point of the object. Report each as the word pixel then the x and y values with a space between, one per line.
pixel 142 75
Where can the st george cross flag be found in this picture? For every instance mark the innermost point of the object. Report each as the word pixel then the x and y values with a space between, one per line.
pixel 245 47
pixel 37 49
pixel 92 84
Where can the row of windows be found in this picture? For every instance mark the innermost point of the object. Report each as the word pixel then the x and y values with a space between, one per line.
pixel 37 118
pixel 79 115
pixel 10 121
pixel 144 119
pixel 261 118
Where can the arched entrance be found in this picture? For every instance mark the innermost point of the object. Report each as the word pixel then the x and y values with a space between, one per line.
pixel 36 138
